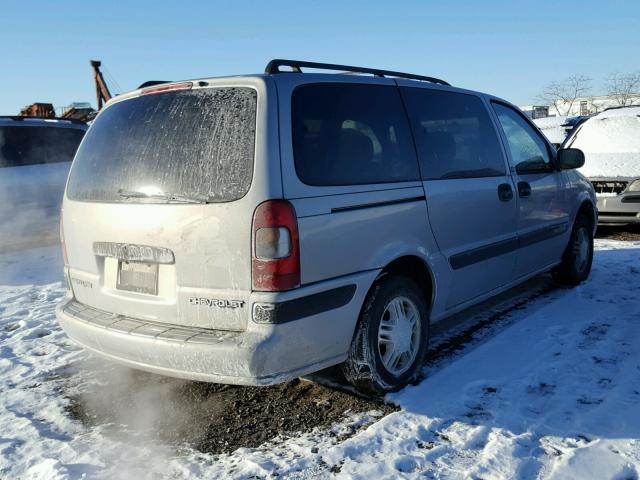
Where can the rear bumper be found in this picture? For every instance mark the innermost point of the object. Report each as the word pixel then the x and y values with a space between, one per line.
pixel 621 209
pixel 264 354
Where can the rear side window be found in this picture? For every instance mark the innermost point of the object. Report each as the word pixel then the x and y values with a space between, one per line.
pixel 351 134
pixel 190 145
pixel 454 135
pixel 32 145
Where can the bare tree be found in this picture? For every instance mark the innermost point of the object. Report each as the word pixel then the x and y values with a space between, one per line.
pixel 625 88
pixel 562 95
pixel 594 106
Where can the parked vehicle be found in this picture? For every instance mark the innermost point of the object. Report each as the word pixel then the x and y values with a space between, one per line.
pixel 35 156
pixel 611 144
pixel 553 128
pixel 558 128
pixel 251 229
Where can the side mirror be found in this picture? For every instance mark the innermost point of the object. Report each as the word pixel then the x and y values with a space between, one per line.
pixel 569 158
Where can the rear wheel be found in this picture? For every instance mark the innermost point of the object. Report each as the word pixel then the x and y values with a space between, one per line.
pixel 578 256
pixel 390 342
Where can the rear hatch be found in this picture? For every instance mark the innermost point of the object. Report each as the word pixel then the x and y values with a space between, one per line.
pixel 157 220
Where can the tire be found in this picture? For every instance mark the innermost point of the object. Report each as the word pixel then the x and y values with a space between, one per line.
pixel 384 329
pixel 578 256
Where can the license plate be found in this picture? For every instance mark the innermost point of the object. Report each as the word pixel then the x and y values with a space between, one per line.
pixel 138 277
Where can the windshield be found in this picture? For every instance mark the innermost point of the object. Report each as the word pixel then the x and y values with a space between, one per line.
pixel 191 146
pixel 32 145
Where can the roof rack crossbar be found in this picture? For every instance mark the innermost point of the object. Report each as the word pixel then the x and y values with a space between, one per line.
pixel 296 65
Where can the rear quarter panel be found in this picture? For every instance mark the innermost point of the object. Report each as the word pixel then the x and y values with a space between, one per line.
pixel 343 242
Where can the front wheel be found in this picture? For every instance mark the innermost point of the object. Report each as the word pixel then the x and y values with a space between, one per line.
pixel 578 256
pixel 390 343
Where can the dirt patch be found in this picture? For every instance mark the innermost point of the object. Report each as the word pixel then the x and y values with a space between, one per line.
pixel 213 418
pixel 627 232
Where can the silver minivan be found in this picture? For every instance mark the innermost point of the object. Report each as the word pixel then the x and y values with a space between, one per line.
pixel 256 228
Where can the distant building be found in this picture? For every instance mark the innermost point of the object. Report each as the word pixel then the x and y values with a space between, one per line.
pixel 536 111
pixel 580 106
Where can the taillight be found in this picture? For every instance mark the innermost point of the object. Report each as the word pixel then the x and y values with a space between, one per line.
pixel 276 251
pixel 64 247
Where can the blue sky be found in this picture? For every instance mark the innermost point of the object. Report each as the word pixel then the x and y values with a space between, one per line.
pixel 511 49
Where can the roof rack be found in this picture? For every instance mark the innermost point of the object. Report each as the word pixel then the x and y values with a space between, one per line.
pixel 274 67
pixel 27 117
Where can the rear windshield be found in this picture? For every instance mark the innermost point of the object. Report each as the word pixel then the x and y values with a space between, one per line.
pixel 169 147
pixel 31 145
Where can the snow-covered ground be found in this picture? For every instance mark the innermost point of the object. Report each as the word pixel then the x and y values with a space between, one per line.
pixel 555 394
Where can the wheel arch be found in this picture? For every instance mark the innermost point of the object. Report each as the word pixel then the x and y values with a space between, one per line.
pixel 417 270
pixel 362 366
pixel 589 209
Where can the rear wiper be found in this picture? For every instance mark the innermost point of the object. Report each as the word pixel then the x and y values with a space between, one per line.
pixel 169 197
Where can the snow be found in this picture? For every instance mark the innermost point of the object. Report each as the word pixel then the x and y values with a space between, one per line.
pixel 620 112
pixel 553 394
pixel 552 128
pixel 611 143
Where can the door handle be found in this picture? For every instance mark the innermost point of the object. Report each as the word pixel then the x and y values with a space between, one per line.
pixel 524 189
pixel 505 193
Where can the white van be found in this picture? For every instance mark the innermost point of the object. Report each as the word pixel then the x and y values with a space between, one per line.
pixel 35 157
